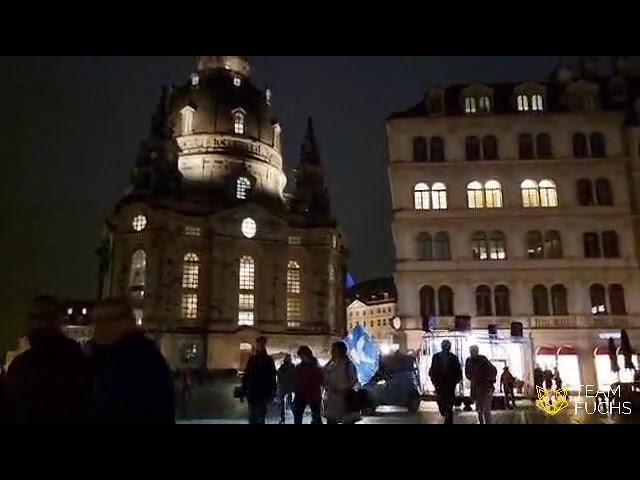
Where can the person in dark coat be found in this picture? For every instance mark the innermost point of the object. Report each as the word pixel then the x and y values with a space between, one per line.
pixel 445 374
pixel 507 383
pixel 548 379
pixel 538 377
pixel 133 383
pixel 259 382
pixel 51 382
pixel 285 376
pixel 482 375
pixel 309 378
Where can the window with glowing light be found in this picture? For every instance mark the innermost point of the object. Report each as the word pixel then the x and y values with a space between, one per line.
pixel 530 194
pixel 548 194
pixel 485 104
pixel 246 287
pixel 243 186
pixel 293 277
pixel 294 240
pixel 189 305
pixel 188 120
pixel 497 246
pixel 537 104
pixel 598 300
pixel 523 103
pixel 421 196
pixel 493 194
pixel 249 228
pixel 138 272
pixel 237 81
pixel 192 231
pixel 191 271
pixel 475 195
pixel 277 134
pixel 470 105
pixel 138 313
pixel 294 312
pixel 139 223
pixel 239 123
pixel 439 196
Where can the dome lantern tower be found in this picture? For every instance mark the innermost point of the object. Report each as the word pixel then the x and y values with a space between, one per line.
pixel 235 64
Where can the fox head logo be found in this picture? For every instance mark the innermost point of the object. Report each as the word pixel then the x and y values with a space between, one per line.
pixel 552 401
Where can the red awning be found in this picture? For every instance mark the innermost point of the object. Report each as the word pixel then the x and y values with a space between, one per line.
pixel 547 350
pixel 567 350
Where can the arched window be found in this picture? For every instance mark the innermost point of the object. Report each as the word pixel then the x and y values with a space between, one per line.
pixel 559 300
pixel 585 192
pixel 243 186
pixel 497 246
pixel 294 290
pixel 616 300
pixel 591 243
pixel 439 196
pixel 480 246
pixel 604 194
pixel 442 250
pixel 191 271
pixel 493 194
pixel 472 148
pixel 553 244
pixel 580 146
pixel 525 146
pixel 535 248
pixel 598 300
pixel 188 120
pixel 540 301
pixel 502 301
pixel 543 146
pixel 436 149
pixel 293 278
pixel 537 104
pixel 485 104
pixel 138 272
pixel 427 302
pixel 425 248
pixel 548 194
pixel 490 147
pixel 470 105
pixel 239 122
pixel 189 305
pixel 610 248
pixel 523 103
pixel 483 301
pixel 277 136
pixel 421 196
pixel 530 194
pixel 419 149
pixel 475 195
pixel 598 145
pixel 445 302
pixel 246 291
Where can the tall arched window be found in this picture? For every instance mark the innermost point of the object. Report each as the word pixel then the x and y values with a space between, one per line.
pixel 559 300
pixel 598 300
pixel 598 146
pixel 580 149
pixel 294 291
pixel 591 243
pixel 523 103
pixel 553 244
pixel 442 250
pixel 502 301
pixel 493 194
pixel 490 147
pixel 472 148
pixel 243 186
pixel 246 291
pixel 497 246
pixel 540 300
pixel 425 248
pixel 191 271
pixel 475 195
pixel 277 137
pixel 535 249
pixel 525 146
pixel 445 302
pixel 543 146
pixel 188 120
pixel 436 149
pixel 585 192
pixel 419 149
pixel 427 302
pixel 604 194
pixel 483 301
pixel 470 105
pixel 616 300
pixel 610 248
pixel 537 104
pixel 480 246
pixel 530 194
pixel 239 122
pixel 138 274
pixel 439 196
pixel 485 104
pixel 421 196
pixel 548 194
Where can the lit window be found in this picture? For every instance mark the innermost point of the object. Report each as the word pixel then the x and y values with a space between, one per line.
pixel 189 305
pixel 247 273
pixel 293 278
pixel 246 301
pixel 475 195
pixel 439 196
pixel 191 271
pixel 334 241
pixel 497 246
pixel 493 194
pixel 245 319
pixel 249 228
pixel 530 194
pixel 277 132
pixel 243 186
pixel 480 246
pixel 421 196
pixel 70 311
pixel 237 81
pixel 246 296
pixel 195 80
pixel 470 105
pixel 294 312
pixel 295 240
pixel 523 103
pixel 485 104
pixel 537 103
pixel 188 120
pixel 139 223
pixel 84 311
pixel 238 123
pixel 548 194
pixel 137 275
pixel 192 231
pixel 267 96
pixel 139 316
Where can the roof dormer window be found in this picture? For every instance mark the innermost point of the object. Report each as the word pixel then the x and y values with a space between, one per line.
pixel 485 104
pixel 239 120
pixel 470 105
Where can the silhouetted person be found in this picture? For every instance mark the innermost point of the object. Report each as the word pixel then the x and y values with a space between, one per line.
pixel 341 379
pixel 259 382
pixel 185 393
pixel 50 383
pixel 308 382
pixel 285 376
pixel 548 379
pixel 557 378
pixel 507 382
pixel 133 383
pixel 445 374
pixel 538 378
pixel 482 375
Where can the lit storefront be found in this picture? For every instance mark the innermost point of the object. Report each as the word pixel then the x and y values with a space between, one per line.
pixel 565 359
pixel 606 377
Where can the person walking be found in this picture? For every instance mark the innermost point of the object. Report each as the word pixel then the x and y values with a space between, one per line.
pixel 482 375
pixel 50 383
pixel 133 383
pixel 557 378
pixel 445 374
pixel 548 379
pixel 259 383
pixel 285 376
pixel 308 381
pixel 341 379
pixel 538 377
pixel 507 383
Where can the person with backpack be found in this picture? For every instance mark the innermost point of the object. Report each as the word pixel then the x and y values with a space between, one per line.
pixel 445 374
pixel 482 375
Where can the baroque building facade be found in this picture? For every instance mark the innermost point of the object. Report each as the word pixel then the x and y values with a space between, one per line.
pixel 517 204
pixel 208 245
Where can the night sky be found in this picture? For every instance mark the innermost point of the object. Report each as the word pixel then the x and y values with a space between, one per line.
pixel 71 126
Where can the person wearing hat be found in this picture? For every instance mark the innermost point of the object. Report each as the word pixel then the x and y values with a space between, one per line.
pixel 445 374
pixel 259 383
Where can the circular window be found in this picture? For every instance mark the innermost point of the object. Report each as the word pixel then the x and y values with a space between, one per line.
pixel 139 223
pixel 249 227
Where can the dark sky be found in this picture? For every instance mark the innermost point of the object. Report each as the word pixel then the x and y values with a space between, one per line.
pixel 70 129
